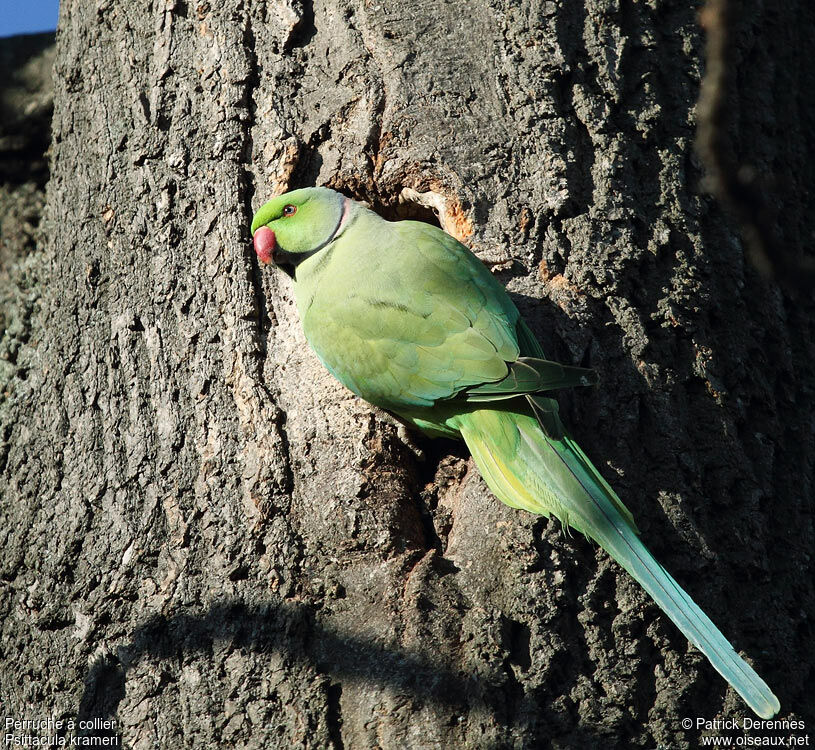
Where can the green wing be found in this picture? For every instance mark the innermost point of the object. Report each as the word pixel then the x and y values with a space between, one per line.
pixel 527 376
pixel 426 322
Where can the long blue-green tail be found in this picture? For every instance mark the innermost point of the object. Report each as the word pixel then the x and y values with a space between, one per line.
pixel 527 468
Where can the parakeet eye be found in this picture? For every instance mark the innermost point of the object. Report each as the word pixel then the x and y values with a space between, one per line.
pixel 289 210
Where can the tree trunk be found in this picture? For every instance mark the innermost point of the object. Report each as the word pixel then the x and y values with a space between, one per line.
pixel 208 541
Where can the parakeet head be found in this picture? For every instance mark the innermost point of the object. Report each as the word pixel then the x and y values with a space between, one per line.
pixel 296 225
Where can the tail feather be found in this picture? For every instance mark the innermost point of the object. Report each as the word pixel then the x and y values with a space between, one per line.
pixel 547 475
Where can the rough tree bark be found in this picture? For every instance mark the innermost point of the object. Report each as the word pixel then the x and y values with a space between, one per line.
pixel 209 541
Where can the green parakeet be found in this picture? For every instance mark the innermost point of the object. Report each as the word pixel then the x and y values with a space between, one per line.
pixel 410 320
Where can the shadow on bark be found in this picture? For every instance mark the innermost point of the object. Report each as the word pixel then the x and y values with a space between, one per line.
pixel 267 628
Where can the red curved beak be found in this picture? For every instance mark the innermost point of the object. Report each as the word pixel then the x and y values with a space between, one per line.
pixel 264 242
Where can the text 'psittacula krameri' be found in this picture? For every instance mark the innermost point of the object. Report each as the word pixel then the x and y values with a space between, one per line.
pixel 410 320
